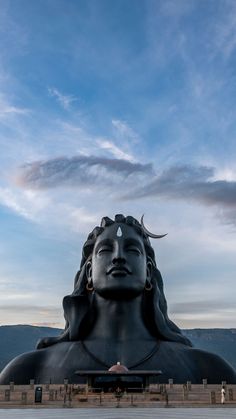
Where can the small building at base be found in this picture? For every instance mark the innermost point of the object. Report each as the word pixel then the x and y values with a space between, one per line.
pixel 118 376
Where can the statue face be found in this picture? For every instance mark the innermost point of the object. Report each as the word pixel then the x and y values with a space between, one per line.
pixel 119 268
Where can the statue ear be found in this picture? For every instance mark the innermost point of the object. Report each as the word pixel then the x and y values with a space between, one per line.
pixel 149 270
pixel 89 270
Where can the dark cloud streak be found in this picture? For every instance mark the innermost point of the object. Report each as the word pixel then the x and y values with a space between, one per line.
pixel 187 183
pixel 190 183
pixel 77 171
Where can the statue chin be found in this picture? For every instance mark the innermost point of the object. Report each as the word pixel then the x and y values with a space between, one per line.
pixel 116 292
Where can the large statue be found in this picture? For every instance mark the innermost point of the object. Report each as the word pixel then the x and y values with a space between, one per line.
pixel 117 313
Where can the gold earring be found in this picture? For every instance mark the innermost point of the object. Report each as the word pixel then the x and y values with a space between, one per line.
pixel 148 286
pixel 89 286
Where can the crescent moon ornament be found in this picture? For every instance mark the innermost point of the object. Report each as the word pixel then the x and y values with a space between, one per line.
pixel 154 236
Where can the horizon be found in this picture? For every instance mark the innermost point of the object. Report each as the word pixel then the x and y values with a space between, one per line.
pixel 53 327
pixel 118 107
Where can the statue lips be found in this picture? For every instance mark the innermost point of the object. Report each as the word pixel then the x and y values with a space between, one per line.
pixel 119 270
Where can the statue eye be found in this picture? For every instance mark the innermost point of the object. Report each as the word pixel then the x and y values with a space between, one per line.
pixel 134 249
pixel 104 249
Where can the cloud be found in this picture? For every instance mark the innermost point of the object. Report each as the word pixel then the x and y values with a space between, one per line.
pixel 12 110
pixel 30 308
pixel 26 204
pixel 225 30
pixel 7 109
pixel 201 307
pixel 116 151
pixel 125 131
pixel 31 314
pixel 204 313
pixel 44 207
pixel 10 200
pixel 64 100
pixel 190 183
pixel 80 171
pixel 172 9
pixel 90 173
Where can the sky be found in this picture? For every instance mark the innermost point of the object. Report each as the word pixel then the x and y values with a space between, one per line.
pixel 118 107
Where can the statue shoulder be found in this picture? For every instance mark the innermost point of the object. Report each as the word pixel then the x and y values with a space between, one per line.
pixel 200 364
pixel 22 368
pixel 213 367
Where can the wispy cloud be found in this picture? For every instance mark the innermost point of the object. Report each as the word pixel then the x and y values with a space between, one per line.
pixel 171 8
pixel 10 200
pixel 26 204
pixel 225 30
pixel 7 109
pixel 124 130
pixel 64 100
pixel 114 150
pixel 78 171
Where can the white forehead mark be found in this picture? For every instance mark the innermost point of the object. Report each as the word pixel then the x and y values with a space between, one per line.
pixel 119 232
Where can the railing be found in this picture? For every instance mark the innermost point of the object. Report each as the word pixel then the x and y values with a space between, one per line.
pixel 73 395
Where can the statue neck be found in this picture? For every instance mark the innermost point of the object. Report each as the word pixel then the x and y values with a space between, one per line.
pixel 119 320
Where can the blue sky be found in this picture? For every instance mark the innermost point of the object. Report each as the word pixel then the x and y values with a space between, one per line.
pixel 118 107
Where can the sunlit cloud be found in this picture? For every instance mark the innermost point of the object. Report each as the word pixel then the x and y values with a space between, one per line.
pixel 31 314
pixel 114 150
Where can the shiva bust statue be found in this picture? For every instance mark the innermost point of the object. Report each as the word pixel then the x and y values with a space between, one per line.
pixel 117 313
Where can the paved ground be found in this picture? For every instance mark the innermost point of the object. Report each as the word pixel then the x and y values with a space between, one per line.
pixel 121 413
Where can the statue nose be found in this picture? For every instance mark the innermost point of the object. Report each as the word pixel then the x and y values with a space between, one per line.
pixel 119 257
pixel 118 261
